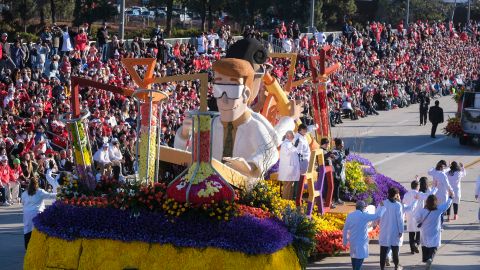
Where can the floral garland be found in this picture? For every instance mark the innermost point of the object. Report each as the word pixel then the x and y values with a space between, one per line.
pixel 245 234
pixel 57 253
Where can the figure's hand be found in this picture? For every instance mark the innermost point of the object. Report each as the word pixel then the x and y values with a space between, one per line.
pixel 295 109
pixel 186 127
pixel 400 235
pixel 239 164
pixel 450 194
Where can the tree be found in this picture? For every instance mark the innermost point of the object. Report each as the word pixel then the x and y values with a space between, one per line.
pixel 206 9
pixel 336 11
pixel 299 11
pixel 246 11
pixel 89 11
pixel 393 11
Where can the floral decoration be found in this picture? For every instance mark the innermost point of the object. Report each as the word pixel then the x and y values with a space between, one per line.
pixel 245 234
pixel 113 254
pixel 453 128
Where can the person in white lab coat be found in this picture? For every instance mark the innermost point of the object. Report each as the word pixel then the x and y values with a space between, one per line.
pixel 303 148
pixel 355 231
pixel 391 222
pixel 455 175
pixel 408 199
pixel 289 166
pixel 429 221
pixel 440 180
pixel 33 204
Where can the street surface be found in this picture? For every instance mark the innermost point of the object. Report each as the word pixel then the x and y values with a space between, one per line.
pixel 399 148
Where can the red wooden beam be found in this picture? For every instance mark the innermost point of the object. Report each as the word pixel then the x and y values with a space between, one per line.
pixel 77 82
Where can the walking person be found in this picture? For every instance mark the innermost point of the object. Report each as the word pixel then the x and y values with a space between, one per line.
pixel 355 231
pixel 391 222
pixel 33 204
pixel 435 115
pixel 455 175
pixel 429 222
pixel 440 181
pixel 289 166
pixel 408 199
pixel 424 103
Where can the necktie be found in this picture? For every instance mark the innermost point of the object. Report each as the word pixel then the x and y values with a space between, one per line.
pixel 228 144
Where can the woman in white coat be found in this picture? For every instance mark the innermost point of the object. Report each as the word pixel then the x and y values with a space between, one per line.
pixel 355 231
pixel 429 221
pixel 391 224
pixel 421 192
pixel 440 181
pixel 455 175
pixel 33 204
pixel 289 166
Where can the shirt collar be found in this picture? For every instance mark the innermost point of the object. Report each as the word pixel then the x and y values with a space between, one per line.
pixel 240 120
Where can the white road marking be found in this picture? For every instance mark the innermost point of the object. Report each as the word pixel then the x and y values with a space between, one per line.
pixel 404 121
pixel 409 151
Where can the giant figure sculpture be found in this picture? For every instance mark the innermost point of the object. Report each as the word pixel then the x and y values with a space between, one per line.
pixel 240 140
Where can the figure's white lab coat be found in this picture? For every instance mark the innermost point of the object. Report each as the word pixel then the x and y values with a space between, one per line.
pixel 409 199
pixel 32 206
pixel 252 142
pixel 286 123
pixel 440 181
pixel 391 223
pixel 355 231
pixel 430 231
pixel 289 166
pixel 455 182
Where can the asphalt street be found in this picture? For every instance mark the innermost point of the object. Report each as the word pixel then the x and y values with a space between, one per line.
pixel 401 149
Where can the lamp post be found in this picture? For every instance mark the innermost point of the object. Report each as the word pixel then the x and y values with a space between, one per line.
pixel 122 20
pixel 408 14
pixel 312 15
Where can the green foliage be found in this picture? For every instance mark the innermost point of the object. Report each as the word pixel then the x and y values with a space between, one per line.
pixel 303 231
pixel 336 10
pixel 27 36
pixel 90 11
pixel 393 11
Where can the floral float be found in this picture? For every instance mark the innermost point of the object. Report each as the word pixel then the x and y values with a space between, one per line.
pixel 453 128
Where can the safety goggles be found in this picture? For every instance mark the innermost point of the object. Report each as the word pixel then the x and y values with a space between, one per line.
pixel 232 91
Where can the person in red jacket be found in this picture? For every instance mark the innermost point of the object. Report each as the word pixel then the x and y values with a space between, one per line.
pixel 5 176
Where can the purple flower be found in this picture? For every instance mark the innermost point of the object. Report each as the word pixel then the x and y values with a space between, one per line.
pixel 245 234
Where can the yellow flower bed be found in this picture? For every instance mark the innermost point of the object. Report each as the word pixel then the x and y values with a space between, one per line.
pixel 329 222
pixel 49 252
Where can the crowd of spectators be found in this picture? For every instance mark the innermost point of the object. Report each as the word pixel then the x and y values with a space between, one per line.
pixel 380 72
pixel 385 68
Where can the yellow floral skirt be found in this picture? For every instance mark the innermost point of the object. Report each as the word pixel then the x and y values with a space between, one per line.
pixel 46 252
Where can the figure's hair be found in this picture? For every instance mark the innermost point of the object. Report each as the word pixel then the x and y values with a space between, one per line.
pixel 423 184
pixel 32 186
pixel 302 127
pixel 454 167
pixel 414 184
pixel 440 164
pixel 236 68
pixel 431 202
pixel 324 141
pixel 392 192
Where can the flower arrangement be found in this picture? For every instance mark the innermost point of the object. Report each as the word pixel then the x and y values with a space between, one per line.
pixel 453 128
pixel 251 235
pixel 458 95
pixel 303 231
pixel 330 242
pixel 355 178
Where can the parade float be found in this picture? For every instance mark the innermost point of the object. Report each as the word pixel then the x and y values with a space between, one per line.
pixel 209 217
